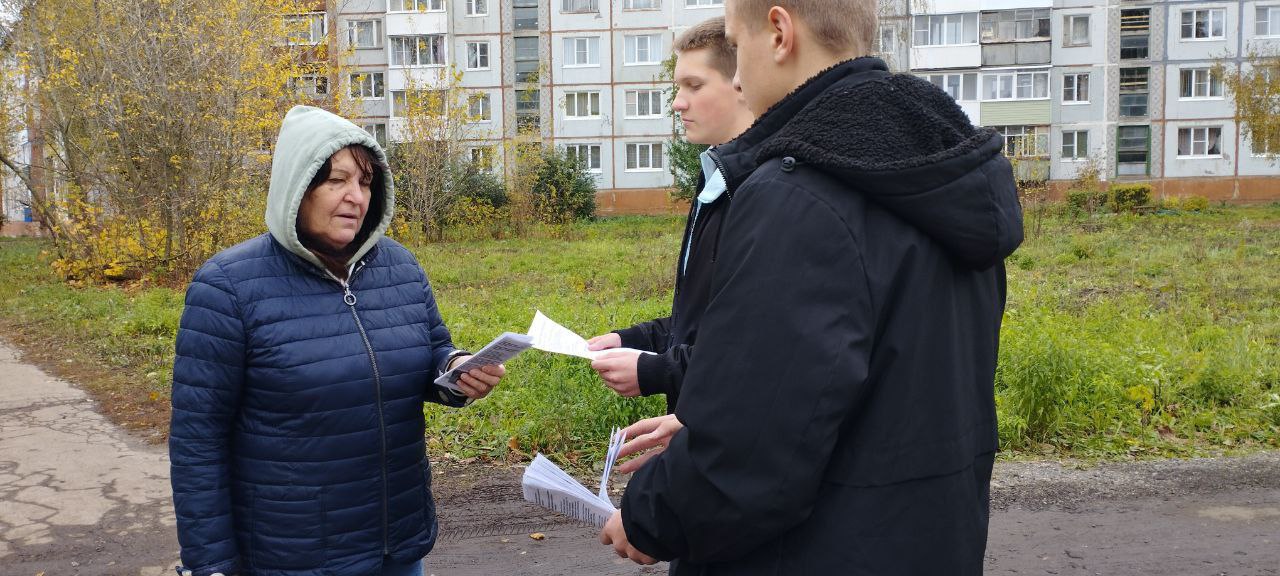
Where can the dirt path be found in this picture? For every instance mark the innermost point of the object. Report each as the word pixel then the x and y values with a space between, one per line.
pixel 79 496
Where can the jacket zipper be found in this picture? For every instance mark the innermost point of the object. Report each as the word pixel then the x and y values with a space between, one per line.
pixel 688 241
pixel 349 299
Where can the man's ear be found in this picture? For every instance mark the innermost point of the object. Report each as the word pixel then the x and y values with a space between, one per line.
pixel 783 31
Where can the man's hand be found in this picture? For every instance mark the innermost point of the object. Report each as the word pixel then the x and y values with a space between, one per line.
pixel 605 342
pixel 477 383
pixel 652 434
pixel 618 370
pixel 614 534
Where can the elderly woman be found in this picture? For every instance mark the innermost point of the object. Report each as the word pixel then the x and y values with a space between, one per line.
pixel 303 360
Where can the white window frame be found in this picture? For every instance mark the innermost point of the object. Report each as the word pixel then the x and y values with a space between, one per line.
pixel 642 5
pixel 579 6
pixel 314 36
pixel 309 84
pixel 576 100
pixel 945 24
pixel 1079 149
pixel 1200 78
pixel 1014 80
pixel 415 5
pixel 1039 135
pixel 1210 15
pixel 655 103
pixel 652 155
pixel 376 82
pixel 1072 81
pixel 587 47
pixel 477 8
pixel 395 111
pixel 595 159
pixel 1193 131
pixel 374 128
pixel 481 156
pixel 1267 26
pixel 480 107
pixel 418 63
pixel 1068 29
pixel 479 52
pixel 653 49
pixel 700 4
pixel 887 31
pixel 353 33
pixel 953 83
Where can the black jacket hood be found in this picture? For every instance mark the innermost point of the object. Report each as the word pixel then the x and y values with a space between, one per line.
pixel 904 144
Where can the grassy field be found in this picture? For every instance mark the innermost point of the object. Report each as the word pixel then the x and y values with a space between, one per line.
pixel 1126 336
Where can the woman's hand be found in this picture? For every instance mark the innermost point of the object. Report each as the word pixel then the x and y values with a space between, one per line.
pixel 478 382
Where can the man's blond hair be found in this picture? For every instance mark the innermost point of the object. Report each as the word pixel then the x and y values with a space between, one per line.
pixel 838 25
pixel 709 35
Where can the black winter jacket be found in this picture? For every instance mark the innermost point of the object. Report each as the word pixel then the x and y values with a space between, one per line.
pixel 839 413
pixel 672 337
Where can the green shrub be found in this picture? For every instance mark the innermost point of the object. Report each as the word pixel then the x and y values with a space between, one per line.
pixel 1195 203
pixel 564 190
pixel 1129 198
pixel 1086 201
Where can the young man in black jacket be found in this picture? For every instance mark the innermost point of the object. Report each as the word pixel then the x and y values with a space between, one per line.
pixel 839 416
pixel 712 112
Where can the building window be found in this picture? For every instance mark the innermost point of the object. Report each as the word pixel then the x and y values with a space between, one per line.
pixel 1199 142
pixel 1010 25
pixel 887 39
pixel 1075 88
pixel 1134 47
pixel 641 5
pixel 482 157
pixel 310 84
pixel 1135 20
pixel 582 51
pixel 1075 30
pixel 587 154
pixel 378 131
pixel 364 33
pixel 1262 145
pixel 1133 91
pixel 367 85
pixel 477 55
pixel 427 50
pixel 645 156
pixel 643 49
pixel 703 3
pixel 478 107
pixel 644 103
pixel 958 86
pixel 1133 149
pixel 1203 24
pixel 305 28
pixel 526 58
pixel 528 110
pixel 945 29
pixel 429 102
pixel 576 6
pixel 1025 141
pixel 1268 21
pixel 582 104
pixel 1015 85
pixel 1075 144
pixel 525 14
pixel 1200 83
pixel 416 6
pixel 477 7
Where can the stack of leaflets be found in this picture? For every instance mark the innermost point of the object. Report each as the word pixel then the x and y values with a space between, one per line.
pixel 546 485
pixel 503 348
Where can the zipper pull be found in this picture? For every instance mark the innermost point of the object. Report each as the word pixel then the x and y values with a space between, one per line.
pixel 347 296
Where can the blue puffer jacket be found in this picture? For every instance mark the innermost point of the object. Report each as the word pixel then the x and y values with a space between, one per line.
pixel 297 433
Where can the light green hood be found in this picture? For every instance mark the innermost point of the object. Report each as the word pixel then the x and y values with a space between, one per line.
pixel 308 137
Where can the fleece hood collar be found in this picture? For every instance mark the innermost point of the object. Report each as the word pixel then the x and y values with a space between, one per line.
pixel 308 137
pixel 906 145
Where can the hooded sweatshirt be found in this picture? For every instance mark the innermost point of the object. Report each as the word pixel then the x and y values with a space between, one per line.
pixel 309 136
pixel 297 437
pixel 839 414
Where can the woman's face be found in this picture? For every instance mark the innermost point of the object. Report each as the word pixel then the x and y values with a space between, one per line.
pixel 331 214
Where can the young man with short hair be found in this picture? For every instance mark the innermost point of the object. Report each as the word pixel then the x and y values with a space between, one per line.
pixel 712 112
pixel 839 416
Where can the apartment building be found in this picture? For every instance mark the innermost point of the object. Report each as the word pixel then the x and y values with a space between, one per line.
pixel 1127 84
